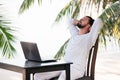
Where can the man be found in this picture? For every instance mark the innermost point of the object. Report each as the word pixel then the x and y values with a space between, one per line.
pixel 83 36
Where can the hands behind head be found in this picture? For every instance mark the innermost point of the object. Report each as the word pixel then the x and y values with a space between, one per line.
pixel 75 22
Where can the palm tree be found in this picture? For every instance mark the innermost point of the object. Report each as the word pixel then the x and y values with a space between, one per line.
pixel 6 37
pixel 111 27
pixel 110 15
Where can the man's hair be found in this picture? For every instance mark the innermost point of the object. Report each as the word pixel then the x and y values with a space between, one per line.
pixel 91 20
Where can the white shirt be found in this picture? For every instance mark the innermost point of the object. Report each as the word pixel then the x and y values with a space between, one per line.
pixel 76 52
pixel 79 45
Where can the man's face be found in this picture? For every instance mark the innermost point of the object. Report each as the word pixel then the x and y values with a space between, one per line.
pixel 83 22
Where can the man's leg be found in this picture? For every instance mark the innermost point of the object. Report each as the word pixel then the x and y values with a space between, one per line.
pixel 46 75
pixel 75 74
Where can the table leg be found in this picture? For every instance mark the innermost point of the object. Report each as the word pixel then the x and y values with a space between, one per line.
pixel 26 75
pixel 67 72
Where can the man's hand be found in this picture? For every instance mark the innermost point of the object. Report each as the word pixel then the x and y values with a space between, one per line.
pixel 75 22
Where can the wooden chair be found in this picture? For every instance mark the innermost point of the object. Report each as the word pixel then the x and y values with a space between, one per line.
pixel 90 70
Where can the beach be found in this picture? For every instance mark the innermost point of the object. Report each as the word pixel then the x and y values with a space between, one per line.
pixel 107 68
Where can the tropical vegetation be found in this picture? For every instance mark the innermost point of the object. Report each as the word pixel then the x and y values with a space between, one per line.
pixel 109 10
pixel 7 37
pixel 111 27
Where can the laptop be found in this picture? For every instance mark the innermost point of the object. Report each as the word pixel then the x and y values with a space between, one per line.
pixel 31 52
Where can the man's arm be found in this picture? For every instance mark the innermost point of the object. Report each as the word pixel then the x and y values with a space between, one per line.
pixel 72 26
pixel 96 27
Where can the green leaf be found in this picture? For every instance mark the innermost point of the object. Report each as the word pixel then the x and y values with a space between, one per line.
pixel 111 19
pixel 61 51
pixel 111 28
pixel 26 5
pixel 6 39
pixel 39 2
pixel 67 10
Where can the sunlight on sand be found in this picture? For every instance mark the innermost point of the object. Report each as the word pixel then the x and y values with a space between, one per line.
pixel 9 75
pixel 107 68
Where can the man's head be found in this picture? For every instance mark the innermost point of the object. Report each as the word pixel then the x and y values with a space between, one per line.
pixel 85 23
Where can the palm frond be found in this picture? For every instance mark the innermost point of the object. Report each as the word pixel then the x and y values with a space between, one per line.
pixel 6 39
pixel 25 5
pixel 76 7
pixel 111 20
pixel 61 51
pixel 39 2
pixel 76 11
pixel 67 10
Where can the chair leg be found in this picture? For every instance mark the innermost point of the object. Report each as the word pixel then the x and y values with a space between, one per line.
pixel 33 76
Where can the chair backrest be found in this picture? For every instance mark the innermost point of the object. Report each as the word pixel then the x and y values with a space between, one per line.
pixel 90 71
pixel 91 61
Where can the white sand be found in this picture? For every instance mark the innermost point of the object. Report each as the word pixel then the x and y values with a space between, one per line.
pixel 107 68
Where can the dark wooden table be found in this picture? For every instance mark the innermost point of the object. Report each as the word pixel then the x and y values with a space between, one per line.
pixel 29 67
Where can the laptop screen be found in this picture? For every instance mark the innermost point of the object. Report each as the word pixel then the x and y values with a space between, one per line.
pixel 30 51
